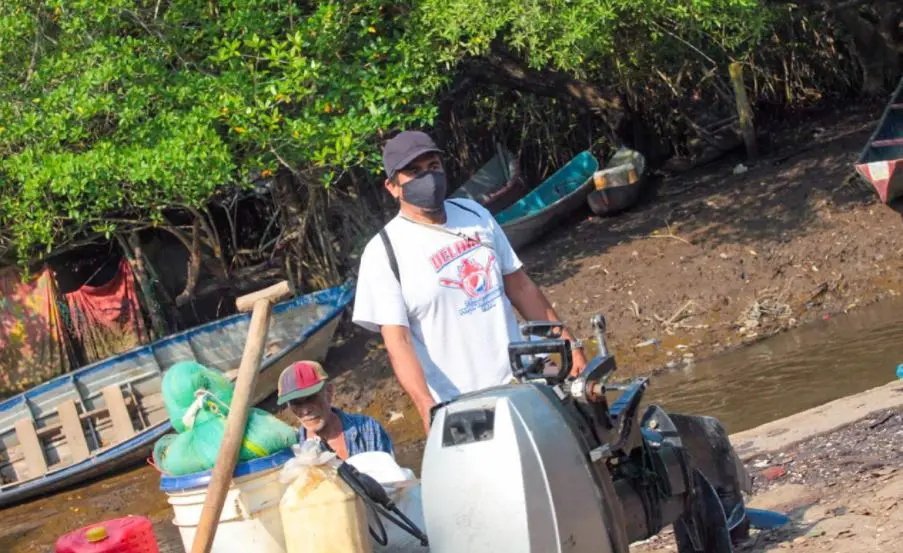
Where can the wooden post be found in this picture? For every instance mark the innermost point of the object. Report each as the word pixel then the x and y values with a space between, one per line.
pixel 744 111
pixel 261 305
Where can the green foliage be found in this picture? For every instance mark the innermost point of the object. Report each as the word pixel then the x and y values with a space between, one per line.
pixel 578 35
pixel 112 111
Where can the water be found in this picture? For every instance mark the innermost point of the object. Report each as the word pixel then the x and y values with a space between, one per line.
pixel 790 372
pixel 780 376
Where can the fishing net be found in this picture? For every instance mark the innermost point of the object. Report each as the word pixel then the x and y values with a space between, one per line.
pixel 182 382
pixel 203 422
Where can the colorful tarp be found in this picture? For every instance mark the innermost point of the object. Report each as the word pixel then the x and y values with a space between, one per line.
pixel 33 343
pixel 106 319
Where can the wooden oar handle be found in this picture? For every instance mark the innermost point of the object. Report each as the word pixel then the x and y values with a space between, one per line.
pixel 261 304
pixel 273 293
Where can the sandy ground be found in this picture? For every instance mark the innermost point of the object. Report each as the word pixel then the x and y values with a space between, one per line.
pixel 843 492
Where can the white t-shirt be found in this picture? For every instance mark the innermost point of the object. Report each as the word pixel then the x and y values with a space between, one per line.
pixel 451 297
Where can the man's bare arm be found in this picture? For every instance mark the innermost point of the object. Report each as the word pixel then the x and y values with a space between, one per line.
pixel 408 370
pixel 532 304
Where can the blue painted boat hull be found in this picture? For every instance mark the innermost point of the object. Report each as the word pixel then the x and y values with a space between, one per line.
pixel 301 328
pixel 549 203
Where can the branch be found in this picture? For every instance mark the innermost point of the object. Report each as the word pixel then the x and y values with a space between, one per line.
pixel 194 265
pixel 244 280
pixel 213 239
pixel 34 52
pixel 508 71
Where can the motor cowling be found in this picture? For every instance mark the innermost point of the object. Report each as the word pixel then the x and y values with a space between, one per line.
pixel 517 468
pixel 549 465
pixel 505 469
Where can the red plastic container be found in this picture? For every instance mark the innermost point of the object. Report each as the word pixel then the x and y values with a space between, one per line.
pixel 131 534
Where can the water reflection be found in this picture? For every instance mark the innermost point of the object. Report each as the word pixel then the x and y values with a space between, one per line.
pixel 790 372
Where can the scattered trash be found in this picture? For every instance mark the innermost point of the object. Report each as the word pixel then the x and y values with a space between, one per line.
pixel 654 342
pixel 773 473
pixel 739 169
pixel 766 520
pixel 886 417
pixel 900 370
pixel 395 415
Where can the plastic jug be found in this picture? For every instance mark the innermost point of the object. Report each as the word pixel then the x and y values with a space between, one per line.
pixel 131 534
pixel 320 513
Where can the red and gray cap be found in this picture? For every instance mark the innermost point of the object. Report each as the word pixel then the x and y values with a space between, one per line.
pixel 301 379
pixel 404 148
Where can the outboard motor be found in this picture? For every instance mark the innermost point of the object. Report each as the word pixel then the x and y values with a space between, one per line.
pixel 547 465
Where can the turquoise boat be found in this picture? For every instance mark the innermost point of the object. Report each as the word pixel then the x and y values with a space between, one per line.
pixel 551 202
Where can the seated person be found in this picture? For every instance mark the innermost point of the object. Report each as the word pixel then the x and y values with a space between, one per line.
pixel 304 388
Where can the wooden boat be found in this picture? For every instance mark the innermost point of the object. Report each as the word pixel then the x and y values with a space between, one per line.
pixel 108 415
pixel 618 186
pixel 881 161
pixel 554 199
pixel 495 185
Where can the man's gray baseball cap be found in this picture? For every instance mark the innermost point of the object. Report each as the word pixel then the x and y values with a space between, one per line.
pixel 404 148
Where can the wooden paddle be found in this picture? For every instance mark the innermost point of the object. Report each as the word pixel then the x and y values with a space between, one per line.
pixel 261 305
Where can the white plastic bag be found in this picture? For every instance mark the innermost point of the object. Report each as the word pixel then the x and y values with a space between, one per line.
pixel 382 467
pixel 307 454
pixel 403 487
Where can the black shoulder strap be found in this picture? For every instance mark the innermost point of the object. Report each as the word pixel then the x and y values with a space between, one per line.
pixel 390 251
pixel 465 208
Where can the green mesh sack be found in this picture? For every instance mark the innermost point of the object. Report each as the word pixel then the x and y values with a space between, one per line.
pixel 177 456
pixel 183 380
pixel 161 448
pixel 196 449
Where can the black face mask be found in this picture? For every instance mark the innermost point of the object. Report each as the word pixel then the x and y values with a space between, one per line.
pixel 426 191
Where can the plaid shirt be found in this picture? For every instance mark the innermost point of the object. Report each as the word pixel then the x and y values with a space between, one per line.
pixel 362 433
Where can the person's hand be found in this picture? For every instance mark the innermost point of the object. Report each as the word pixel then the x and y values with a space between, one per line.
pixel 578 361
pixel 424 410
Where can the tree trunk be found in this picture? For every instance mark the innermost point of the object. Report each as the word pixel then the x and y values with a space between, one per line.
pixel 878 45
pixel 194 265
pixel 132 252
pixel 878 58
pixel 287 193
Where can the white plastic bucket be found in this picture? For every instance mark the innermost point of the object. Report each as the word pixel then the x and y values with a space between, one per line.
pixel 250 519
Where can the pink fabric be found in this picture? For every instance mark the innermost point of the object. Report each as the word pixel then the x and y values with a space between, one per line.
pixel 106 319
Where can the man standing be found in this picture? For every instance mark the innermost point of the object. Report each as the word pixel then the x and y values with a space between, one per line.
pixel 441 282
pixel 304 388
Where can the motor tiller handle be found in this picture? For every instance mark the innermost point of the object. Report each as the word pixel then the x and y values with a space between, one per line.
pixel 516 351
